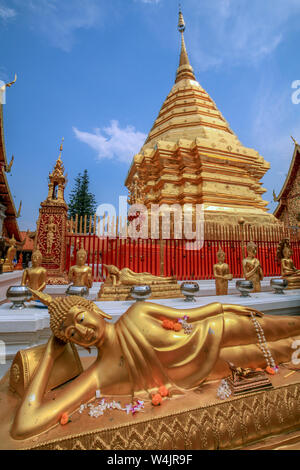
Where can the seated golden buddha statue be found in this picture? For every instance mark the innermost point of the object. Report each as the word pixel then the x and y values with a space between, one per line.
pixel 222 274
pixel 127 277
pixel 81 274
pixel 252 268
pixel 137 355
pixel 36 276
pixel 8 264
pixel 288 269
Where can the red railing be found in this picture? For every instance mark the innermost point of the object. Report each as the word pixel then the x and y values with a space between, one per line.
pixel 172 257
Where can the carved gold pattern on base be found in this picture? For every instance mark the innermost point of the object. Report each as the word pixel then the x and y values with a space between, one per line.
pixel 228 424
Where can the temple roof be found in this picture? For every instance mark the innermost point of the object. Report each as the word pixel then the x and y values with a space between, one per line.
pixel 10 222
pixel 288 183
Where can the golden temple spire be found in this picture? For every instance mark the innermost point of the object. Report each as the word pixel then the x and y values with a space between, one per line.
pixel 185 70
pixel 61 148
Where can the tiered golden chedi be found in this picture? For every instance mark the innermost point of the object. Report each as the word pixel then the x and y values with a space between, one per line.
pixel 192 156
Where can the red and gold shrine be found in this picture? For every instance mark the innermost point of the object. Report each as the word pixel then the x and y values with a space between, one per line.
pixel 52 226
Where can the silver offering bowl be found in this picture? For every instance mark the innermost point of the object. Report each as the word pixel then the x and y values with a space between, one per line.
pixel 189 289
pixel 81 291
pixel 18 295
pixel 245 287
pixel 140 292
pixel 279 285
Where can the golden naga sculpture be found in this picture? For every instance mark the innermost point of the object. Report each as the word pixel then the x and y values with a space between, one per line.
pixel 8 264
pixel 288 270
pixel 81 274
pixel 222 274
pixel 137 355
pixel 252 268
pixel 36 276
pixel 127 277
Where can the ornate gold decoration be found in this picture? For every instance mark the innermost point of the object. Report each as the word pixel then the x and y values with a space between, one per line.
pixel 8 265
pixel 136 191
pixel 15 373
pixel 150 356
pixel 81 274
pixel 36 276
pixel 222 274
pixel 119 282
pixel 294 140
pixel 288 269
pixel 252 268
pixel 8 167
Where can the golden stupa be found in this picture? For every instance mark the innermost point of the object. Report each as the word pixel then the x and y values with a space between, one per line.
pixel 192 156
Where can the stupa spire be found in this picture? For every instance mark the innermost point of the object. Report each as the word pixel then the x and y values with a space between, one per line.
pixel 185 70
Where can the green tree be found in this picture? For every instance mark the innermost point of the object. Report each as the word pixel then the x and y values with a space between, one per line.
pixel 82 201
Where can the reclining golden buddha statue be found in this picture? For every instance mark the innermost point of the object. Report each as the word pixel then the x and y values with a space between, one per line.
pixel 119 282
pixel 137 354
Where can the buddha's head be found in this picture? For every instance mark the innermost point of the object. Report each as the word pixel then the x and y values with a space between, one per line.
pixel 221 256
pixel 81 257
pixel 75 319
pixel 36 258
pixel 251 249
pixel 287 252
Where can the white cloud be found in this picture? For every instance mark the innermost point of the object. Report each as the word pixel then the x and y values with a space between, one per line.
pixel 59 21
pixel 6 13
pixel 113 142
pixel 238 31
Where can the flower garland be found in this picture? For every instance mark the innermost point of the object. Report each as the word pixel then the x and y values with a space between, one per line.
pixel 178 325
pixel 98 410
pixel 271 368
pixel 223 391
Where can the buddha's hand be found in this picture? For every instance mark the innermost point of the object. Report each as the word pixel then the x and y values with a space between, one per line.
pixel 55 347
pixel 241 310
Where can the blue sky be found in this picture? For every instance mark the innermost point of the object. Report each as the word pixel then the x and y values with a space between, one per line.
pixel 97 72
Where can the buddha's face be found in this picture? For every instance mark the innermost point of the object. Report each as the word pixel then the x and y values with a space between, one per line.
pixel 81 258
pixel 287 252
pixel 36 259
pixel 83 326
pixel 252 251
pixel 221 257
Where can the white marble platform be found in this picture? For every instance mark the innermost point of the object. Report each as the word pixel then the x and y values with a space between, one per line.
pixel 207 288
pixel 20 329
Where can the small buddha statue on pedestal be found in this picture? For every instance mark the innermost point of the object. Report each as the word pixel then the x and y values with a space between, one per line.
pixel 222 274
pixel 8 265
pixel 36 276
pixel 252 268
pixel 288 269
pixel 81 274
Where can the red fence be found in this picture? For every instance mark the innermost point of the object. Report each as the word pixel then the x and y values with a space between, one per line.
pixel 172 257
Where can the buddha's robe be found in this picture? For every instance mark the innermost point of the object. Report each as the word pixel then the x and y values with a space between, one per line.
pixel 156 356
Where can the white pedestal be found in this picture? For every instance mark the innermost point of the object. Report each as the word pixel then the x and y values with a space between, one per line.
pixel 20 329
